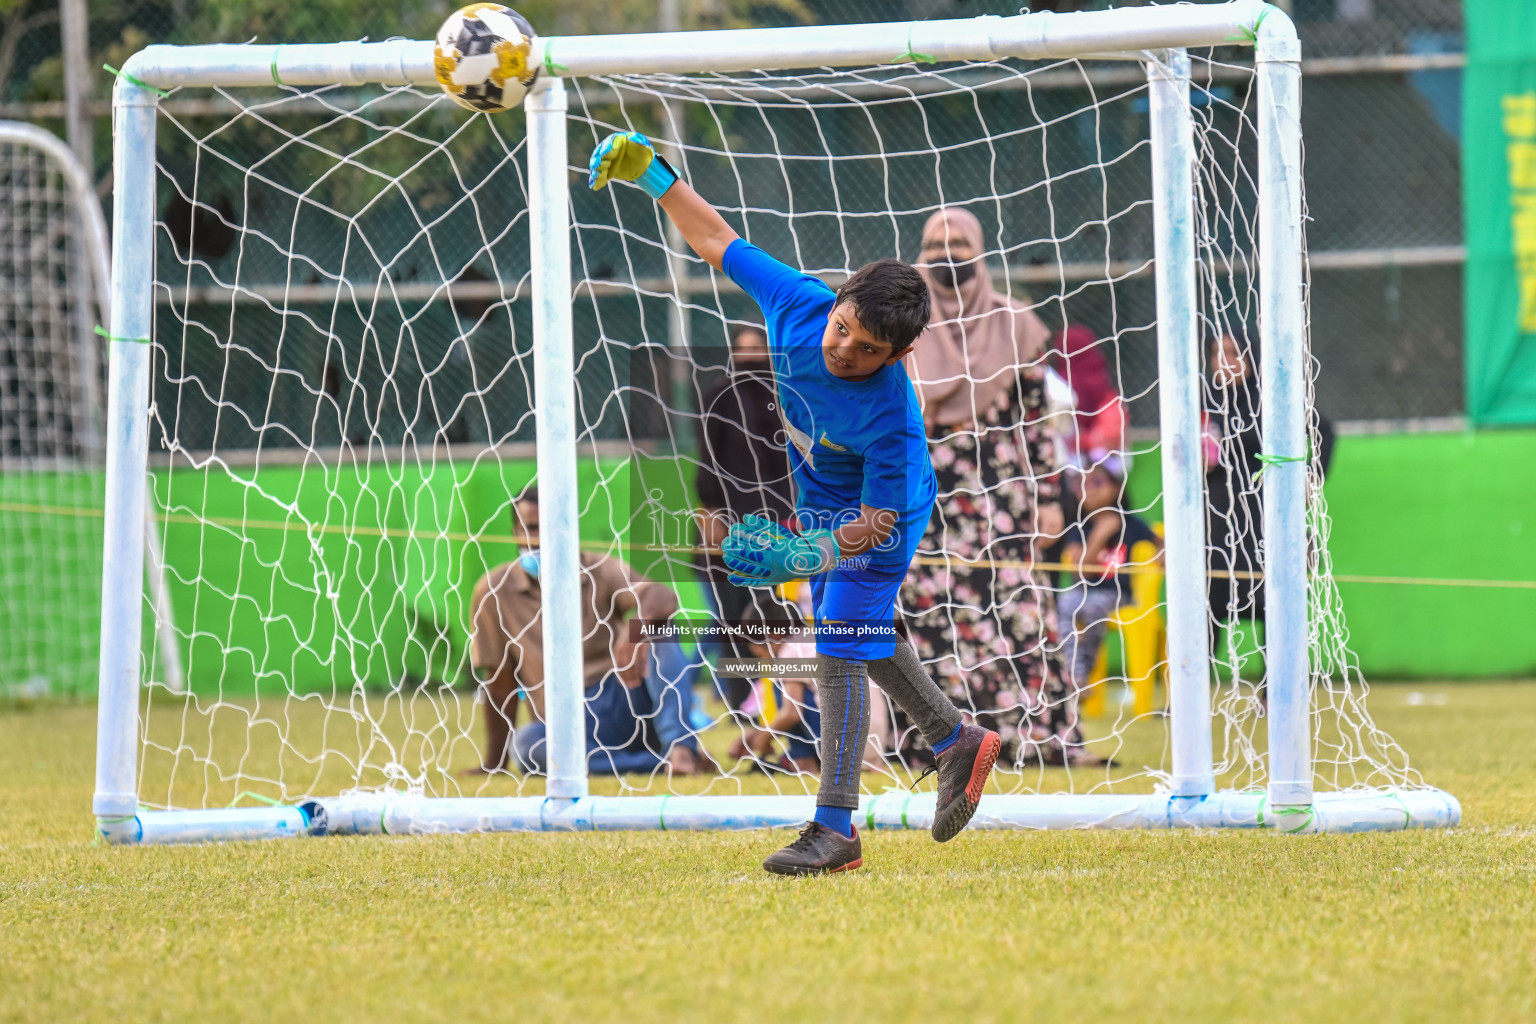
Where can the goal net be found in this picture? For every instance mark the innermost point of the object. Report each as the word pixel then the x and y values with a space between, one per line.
pixel 50 430
pixel 53 297
pixel 343 419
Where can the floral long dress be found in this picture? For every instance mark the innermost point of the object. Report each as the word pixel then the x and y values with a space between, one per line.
pixel 989 635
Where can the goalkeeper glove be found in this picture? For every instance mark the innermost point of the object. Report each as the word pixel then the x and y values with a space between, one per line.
pixel 630 157
pixel 760 553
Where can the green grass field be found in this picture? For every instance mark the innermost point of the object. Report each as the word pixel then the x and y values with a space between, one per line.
pixel 640 927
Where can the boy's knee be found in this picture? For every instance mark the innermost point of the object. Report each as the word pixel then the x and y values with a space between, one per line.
pixel 841 672
pixel 901 650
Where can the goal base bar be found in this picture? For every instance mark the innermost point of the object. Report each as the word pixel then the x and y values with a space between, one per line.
pixel 403 814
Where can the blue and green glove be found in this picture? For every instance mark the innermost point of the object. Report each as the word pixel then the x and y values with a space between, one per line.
pixel 761 553
pixel 629 156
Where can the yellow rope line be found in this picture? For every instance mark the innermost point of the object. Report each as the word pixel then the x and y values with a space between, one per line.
pixel 1432 582
pixel 266 524
pixel 385 532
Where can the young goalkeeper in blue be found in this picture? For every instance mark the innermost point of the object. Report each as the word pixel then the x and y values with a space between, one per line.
pixel 865 493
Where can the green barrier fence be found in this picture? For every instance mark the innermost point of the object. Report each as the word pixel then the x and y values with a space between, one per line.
pixel 367 573
pixel 301 577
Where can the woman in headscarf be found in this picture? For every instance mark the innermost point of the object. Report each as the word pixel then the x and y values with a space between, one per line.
pixel 987 634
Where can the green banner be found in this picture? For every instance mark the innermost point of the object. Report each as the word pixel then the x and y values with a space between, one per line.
pixel 1499 204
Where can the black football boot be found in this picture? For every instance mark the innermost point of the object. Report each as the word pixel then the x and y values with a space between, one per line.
pixel 963 771
pixel 818 851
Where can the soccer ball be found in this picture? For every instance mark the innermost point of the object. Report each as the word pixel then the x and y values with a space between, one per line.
pixel 482 57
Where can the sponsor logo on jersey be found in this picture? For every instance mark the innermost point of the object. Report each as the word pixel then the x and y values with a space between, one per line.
pixel 831 444
pixel 800 439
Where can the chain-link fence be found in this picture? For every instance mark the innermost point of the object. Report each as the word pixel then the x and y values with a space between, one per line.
pixel 1381 122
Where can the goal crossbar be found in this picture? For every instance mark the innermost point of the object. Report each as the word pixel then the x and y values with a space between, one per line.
pixel 1159 37
pixel 1123 33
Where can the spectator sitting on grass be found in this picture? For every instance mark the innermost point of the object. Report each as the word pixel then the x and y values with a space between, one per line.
pixel 637 701
pixel 1098 547
pixel 788 706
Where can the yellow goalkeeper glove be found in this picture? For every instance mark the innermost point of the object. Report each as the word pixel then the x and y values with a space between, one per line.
pixel 629 156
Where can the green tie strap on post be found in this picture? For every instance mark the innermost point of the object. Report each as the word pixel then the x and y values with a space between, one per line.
pixel 549 59
pixel 1250 35
pixel 1278 460
pixel 661 811
pixel 913 57
pixel 255 796
pixel 103 332
pixel 112 337
pixel 134 81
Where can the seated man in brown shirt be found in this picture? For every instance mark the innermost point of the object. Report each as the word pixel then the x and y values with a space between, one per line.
pixel 637 710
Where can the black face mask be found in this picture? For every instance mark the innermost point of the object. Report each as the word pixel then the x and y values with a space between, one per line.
pixel 952 275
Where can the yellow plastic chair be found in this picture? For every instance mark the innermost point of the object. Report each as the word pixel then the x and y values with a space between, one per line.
pixel 1143 635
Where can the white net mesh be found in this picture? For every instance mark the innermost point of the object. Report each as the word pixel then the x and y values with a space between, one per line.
pixel 50 477
pixel 343 425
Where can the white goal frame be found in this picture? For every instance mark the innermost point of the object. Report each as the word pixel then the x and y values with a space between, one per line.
pixel 1159 37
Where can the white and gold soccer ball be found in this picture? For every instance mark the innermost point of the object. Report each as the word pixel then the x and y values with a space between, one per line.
pixel 483 57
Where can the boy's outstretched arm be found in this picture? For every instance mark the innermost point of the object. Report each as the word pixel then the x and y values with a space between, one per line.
pixel 629 156
pixel 703 228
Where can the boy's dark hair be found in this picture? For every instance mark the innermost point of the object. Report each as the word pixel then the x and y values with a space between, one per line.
pixel 890 299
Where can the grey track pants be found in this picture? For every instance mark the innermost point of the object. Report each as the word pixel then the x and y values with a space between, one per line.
pixel 844 699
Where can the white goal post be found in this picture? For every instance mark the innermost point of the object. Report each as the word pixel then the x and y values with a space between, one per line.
pixel 1159 37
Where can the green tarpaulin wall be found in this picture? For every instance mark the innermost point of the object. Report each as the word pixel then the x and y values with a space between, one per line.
pixel 1499 183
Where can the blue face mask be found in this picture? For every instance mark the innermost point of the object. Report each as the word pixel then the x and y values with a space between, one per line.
pixel 529 560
